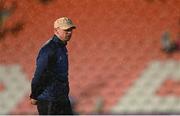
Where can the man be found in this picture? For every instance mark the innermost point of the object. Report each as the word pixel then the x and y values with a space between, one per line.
pixel 50 87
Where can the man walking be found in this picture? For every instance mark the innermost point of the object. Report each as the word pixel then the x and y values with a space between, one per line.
pixel 50 86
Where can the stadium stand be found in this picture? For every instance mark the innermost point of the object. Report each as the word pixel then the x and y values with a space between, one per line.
pixel 115 54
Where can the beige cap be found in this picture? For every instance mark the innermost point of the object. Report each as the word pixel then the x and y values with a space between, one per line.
pixel 64 23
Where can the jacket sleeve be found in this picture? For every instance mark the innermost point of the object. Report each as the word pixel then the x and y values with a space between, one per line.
pixel 41 65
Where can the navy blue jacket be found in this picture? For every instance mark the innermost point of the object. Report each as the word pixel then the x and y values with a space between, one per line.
pixel 50 80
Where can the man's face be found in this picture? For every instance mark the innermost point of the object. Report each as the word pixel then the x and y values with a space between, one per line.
pixel 65 35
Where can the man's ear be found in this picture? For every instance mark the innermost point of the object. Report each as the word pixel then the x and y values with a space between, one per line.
pixel 55 31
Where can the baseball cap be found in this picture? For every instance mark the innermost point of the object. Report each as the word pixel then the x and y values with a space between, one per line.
pixel 64 23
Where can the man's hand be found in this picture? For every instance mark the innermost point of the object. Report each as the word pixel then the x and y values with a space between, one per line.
pixel 33 101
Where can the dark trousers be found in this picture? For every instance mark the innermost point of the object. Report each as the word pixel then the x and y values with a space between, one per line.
pixel 55 108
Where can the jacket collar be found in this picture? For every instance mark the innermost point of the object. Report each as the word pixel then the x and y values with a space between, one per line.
pixel 57 40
